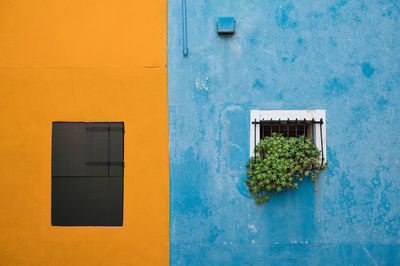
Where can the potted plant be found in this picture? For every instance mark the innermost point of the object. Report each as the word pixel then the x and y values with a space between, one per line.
pixel 280 164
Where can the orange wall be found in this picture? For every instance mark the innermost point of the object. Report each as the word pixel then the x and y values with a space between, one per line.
pixel 82 60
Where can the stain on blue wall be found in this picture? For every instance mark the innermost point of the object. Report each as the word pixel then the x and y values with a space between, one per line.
pixel 367 69
pixel 342 56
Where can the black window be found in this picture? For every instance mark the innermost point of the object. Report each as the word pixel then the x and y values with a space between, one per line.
pixel 287 128
pixel 87 174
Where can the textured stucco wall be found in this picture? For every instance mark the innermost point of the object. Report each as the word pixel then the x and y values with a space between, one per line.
pixel 341 56
pixel 82 60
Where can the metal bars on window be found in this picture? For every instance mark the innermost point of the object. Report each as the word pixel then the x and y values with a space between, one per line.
pixel 290 128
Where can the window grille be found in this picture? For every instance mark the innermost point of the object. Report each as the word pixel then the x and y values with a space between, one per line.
pixel 289 128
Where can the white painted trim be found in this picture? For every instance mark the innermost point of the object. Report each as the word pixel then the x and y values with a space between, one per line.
pixel 291 115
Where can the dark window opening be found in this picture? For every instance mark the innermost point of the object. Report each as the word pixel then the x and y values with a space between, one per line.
pixel 286 130
pixel 289 128
pixel 87 174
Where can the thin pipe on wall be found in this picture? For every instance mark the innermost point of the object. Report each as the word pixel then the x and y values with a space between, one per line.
pixel 185 48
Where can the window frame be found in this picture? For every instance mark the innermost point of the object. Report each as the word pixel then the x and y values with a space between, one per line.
pixel 292 115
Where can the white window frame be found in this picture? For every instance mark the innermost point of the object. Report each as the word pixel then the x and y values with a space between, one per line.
pixel 284 115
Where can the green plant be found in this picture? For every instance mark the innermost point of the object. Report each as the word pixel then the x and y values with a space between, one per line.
pixel 281 163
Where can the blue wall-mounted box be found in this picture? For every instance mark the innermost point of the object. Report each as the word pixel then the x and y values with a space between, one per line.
pixel 226 25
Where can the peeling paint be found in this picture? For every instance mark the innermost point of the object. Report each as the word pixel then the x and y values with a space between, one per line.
pixel 253 228
pixel 201 84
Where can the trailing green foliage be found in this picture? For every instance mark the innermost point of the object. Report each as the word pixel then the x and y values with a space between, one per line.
pixel 280 164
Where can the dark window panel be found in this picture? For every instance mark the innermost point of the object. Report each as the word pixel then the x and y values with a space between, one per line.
pixel 87 174
pixel 266 129
pixel 73 146
pixel 87 201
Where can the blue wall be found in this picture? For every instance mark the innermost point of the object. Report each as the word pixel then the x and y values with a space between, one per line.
pixel 342 56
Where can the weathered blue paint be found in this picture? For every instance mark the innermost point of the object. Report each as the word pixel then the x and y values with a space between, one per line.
pixel 342 56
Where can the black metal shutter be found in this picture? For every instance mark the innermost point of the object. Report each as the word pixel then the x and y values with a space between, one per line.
pixel 87 174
